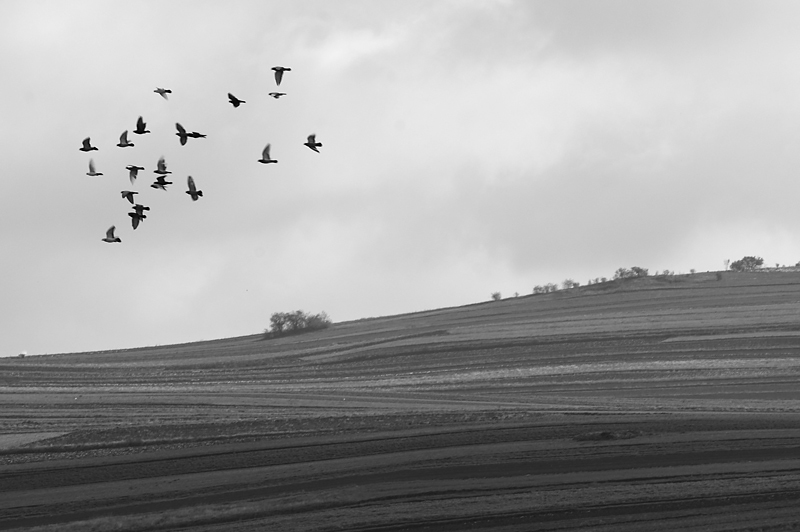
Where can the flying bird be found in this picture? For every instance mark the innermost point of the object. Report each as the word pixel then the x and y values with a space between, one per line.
pixel 91 171
pixel 236 102
pixel 162 167
pixel 136 217
pixel 163 92
pixel 312 143
pixel 134 171
pixel 277 95
pixel 128 195
pixel 193 192
pixel 141 127
pixel 196 135
pixel 123 140
pixel 181 133
pixel 161 183
pixel 87 145
pixel 279 70
pixel 140 210
pixel 110 236
pixel 265 156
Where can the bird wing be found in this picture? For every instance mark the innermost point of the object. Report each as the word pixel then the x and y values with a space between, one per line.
pixel 123 139
pixel 87 143
pixel 312 138
pixel 278 76
pixel 110 232
pixel 91 166
pixel 192 188
pixel 140 125
pixel 180 129
pixel 265 153
pixel 162 165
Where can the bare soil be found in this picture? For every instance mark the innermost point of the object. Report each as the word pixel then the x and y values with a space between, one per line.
pixel 654 404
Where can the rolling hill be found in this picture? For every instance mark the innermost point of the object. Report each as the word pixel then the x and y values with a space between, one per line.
pixel 656 403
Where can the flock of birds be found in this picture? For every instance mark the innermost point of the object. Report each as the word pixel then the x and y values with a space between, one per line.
pixel 137 215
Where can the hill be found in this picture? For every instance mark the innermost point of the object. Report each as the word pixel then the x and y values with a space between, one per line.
pixel 671 401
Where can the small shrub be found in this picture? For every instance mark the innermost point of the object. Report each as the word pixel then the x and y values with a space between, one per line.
pixel 635 271
pixel 282 323
pixel 569 283
pixel 496 296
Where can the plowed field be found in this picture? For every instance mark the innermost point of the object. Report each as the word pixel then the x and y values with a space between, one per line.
pixel 654 404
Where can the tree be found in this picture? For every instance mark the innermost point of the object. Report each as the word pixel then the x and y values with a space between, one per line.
pixel 282 323
pixel 496 296
pixel 569 283
pixel 636 271
pixel 747 264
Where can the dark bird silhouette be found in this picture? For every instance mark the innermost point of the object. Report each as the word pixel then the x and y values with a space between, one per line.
pixel 163 92
pixel 161 183
pixel 181 133
pixel 123 140
pixel 128 195
pixel 265 156
pixel 136 218
pixel 141 127
pixel 196 135
pixel 91 171
pixel 312 143
pixel 162 167
pixel 110 236
pixel 140 210
pixel 236 102
pixel 279 70
pixel 87 145
pixel 277 95
pixel 134 171
pixel 193 192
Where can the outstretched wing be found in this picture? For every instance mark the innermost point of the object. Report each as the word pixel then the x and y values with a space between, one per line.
pixel 192 188
pixel 265 153
pixel 110 232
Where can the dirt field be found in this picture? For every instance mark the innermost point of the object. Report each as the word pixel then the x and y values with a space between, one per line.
pixel 655 404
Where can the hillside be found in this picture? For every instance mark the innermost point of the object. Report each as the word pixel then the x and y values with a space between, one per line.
pixel 484 409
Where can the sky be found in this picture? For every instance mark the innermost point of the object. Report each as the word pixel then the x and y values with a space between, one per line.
pixel 469 147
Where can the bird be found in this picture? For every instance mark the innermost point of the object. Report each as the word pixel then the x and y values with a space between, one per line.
pixel 236 102
pixel 163 92
pixel 110 236
pixel 161 183
pixel 162 167
pixel 91 171
pixel 134 171
pixel 277 95
pixel 196 135
pixel 265 156
pixel 136 218
pixel 181 133
pixel 140 127
pixel 123 140
pixel 312 143
pixel 128 195
pixel 193 192
pixel 140 209
pixel 279 70
pixel 87 145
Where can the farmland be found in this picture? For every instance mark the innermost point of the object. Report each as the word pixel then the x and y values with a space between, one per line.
pixel 651 404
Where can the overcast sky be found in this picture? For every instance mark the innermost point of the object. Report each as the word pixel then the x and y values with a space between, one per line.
pixel 468 147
